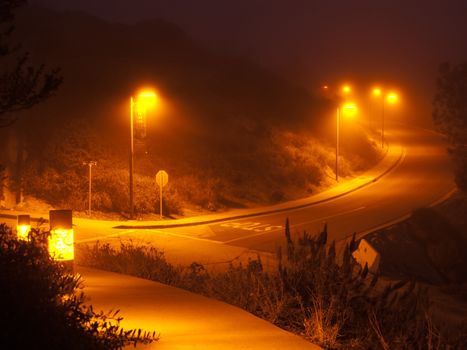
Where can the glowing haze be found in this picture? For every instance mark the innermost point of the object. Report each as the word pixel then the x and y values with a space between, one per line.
pixel 397 43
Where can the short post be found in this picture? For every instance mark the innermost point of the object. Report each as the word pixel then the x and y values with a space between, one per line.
pixel 23 227
pixel 61 239
pixel 162 178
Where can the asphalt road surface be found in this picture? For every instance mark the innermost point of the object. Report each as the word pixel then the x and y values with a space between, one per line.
pixel 423 177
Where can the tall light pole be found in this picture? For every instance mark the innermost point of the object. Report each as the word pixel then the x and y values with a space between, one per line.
pixel 90 164
pixel 337 142
pixel 382 124
pixel 376 92
pixel 348 109
pixel 132 206
pixel 145 100
pixel 390 98
pixel 345 90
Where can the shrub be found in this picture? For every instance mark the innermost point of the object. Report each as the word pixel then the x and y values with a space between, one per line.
pixel 40 307
pixel 314 292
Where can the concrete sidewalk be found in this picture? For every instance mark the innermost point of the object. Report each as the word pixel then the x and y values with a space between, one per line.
pixel 183 319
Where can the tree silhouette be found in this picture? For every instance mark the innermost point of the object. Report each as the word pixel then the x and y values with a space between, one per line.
pixel 450 114
pixel 23 85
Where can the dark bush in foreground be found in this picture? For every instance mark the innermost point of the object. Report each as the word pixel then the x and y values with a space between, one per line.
pixel 328 299
pixel 40 307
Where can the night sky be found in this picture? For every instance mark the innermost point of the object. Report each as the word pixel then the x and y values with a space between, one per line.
pixel 399 43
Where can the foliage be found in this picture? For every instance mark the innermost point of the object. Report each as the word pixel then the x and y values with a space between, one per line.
pixel 314 292
pixel 450 114
pixel 23 85
pixel 57 172
pixel 41 308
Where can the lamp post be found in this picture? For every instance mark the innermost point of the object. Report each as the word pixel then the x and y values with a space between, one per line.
pixel 337 142
pixel 390 98
pixel 348 109
pixel 376 92
pixel 145 100
pixel 90 164
pixel 132 209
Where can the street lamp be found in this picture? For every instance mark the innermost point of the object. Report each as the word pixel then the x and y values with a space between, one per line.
pixel 346 89
pixel 349 109
pixel 390 98
pixel 376 93
pixel 144 101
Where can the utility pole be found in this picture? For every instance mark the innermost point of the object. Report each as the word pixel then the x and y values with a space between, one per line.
pixel 337 143
pixel 132 210
pixel 90 165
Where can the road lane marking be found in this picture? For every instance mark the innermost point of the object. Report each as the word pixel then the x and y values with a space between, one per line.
pixel 147 231
pixel 329 216
pixel 250 236
pixel 251 226
pixel 112 235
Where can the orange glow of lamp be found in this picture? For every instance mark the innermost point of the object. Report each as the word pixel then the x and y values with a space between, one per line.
pixel 23 227
pixel 61 239
pixel 346 89
pixel 349 109
pixel 145 100
pixel 377 92
pixel 392 98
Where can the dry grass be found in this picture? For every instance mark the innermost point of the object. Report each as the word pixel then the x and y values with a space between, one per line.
pixel 329 300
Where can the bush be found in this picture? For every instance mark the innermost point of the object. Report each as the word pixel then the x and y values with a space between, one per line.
pixel 328 299
pixel 40 307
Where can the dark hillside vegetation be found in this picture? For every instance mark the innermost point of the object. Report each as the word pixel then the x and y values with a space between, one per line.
pixel 229 133
pixel 42 305
pixel 313 291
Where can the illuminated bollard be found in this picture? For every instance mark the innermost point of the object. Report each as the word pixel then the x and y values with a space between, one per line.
pixel 61 240
pixel 23 227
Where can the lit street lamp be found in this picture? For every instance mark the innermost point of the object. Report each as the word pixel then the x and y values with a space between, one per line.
pixel 348 109
pixel 144 101
pixel 376 92
pixel 390 98
pixel 346 89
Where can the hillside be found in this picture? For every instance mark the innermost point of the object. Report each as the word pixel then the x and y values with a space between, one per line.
pixel 228 132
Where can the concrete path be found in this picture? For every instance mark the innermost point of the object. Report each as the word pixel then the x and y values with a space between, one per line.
pixel 183 319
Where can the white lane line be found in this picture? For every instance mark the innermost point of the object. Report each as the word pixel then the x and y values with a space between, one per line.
pixel 250 236
pixel 329 216
pixel 97 238
pixel 126 232
pixel 147 231
pixel 178 235
pixel 303 223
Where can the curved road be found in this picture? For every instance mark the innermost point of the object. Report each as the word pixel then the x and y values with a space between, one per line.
pixel 423 177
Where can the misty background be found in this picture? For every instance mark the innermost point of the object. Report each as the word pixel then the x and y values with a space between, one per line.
pixel 241 118
pixel 398 43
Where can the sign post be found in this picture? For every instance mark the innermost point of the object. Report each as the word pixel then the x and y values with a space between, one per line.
pixel 161 178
